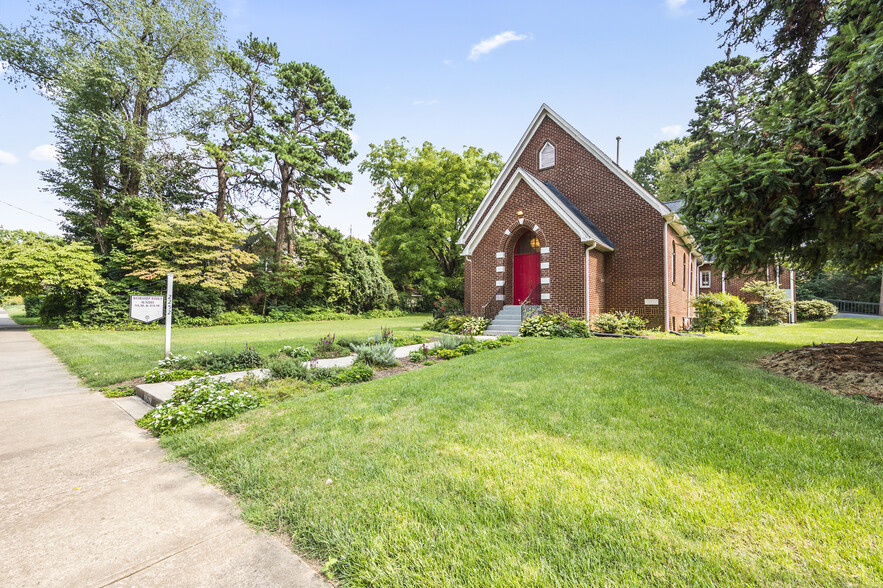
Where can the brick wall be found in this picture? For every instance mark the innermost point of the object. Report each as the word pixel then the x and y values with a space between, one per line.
pixel 680 287
pixel 565 259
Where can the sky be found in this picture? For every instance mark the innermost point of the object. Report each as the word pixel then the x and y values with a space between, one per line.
pixel 452 73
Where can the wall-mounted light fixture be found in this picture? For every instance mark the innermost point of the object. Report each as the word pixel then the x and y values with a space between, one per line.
pixel 520 213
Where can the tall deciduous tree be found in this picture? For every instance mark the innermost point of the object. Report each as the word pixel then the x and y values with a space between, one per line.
pixel 425 197
pixel 804 182
pixel 305 129
pixel 664 169
pixel 118 69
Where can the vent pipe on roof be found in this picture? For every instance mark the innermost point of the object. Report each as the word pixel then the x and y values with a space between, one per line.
pixel 617 150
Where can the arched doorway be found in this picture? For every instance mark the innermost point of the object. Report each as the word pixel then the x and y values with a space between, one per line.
pixel 526 270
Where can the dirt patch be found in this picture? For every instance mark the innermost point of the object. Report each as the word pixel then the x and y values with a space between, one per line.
pixel 851 369
pixel 406 366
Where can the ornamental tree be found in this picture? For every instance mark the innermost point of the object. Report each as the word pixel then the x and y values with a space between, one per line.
pixel 31 262
pixel 199 248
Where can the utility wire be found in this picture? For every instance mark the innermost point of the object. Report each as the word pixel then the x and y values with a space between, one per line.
pixel 27 211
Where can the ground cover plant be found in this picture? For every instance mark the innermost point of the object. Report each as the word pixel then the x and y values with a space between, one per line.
pixel 102 358
pixel 690 467
pixel 198 401
pixel 558 324
pixel 619 323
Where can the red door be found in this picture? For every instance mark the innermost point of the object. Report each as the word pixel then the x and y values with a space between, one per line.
pixel 527 278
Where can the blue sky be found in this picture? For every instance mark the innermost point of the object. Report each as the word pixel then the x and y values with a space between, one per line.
pixel 453 73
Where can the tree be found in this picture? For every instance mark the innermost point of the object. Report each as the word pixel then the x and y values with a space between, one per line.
pixel 225 131
pixel 664 169
pixel 118 70
pixel 305 129
pixel 803 184
pixel 31 262
pixel 724 110
pixel 425 197
pixel 199 248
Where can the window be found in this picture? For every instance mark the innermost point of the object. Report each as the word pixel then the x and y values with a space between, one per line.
pixel 527 244
pixel 685 271
pixel 674 263
pixel 547 156
pixel 705 279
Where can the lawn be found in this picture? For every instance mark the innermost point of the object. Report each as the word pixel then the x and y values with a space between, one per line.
pixel 102 358
pixel 571 463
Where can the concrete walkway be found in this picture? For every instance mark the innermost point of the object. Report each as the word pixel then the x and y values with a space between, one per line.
pixel 87 499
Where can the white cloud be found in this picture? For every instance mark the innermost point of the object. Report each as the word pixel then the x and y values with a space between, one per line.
pixel 8 158
pixel 44 153
pixel 675 5
pixel 672 131
pixel 425 102
pixel 488 45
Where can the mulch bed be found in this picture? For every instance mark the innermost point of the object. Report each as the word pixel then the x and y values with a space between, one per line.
pixel 851 369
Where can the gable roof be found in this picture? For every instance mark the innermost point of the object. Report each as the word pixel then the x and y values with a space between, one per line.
pixel 578 223
pixel 601 237
pixel 674 205
pixel 546 112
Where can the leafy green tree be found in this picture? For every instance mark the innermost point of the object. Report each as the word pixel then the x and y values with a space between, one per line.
pixel 803 183
pixel 664 169
pixel 425 197
pixel 31 263
pixel 199 248
pixel 118 71
pixel 305 124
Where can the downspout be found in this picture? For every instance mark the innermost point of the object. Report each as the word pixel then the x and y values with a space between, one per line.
pixel 793 297
pixel 592 246
pixel 667 273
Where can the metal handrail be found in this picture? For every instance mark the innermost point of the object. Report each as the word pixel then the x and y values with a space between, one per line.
pixel 493 300
pixel 529 295
pixel 855 306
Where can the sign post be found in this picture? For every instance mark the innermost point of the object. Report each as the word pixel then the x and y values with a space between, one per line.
pixel 169 314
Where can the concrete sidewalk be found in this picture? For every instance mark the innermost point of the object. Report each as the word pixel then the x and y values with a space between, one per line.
pixel 88 500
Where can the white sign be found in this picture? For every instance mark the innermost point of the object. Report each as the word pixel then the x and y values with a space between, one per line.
pixel 651 301
pixel 146 308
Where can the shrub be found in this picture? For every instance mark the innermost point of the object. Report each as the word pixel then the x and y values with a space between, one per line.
pixel 408 340
pixel 248 358
pixel 199 400
pixel 719 312
pixel 33 304
pixel 301 352
pixel 220 362
pixel 474 325
pixel 449 342
pixel 283 367
pixel 554 325
pixel 358 372
pixel 505 338
pixel 416 356
pixel 814 310
pixel 623 323
pixel 773 307
pixel 381 354
pixel 447 306
pixel 448 353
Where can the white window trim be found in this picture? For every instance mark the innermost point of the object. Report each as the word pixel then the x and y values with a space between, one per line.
pixel 705 279
pixel 540 161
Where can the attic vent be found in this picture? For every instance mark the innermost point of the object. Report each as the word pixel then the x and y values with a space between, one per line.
pixel 547 156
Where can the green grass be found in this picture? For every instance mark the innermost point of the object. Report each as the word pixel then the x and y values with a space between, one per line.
pixel 572 463
pixel 102 358
pixel 17 313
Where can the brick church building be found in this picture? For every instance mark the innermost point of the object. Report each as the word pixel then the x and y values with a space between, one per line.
pixel 563 226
